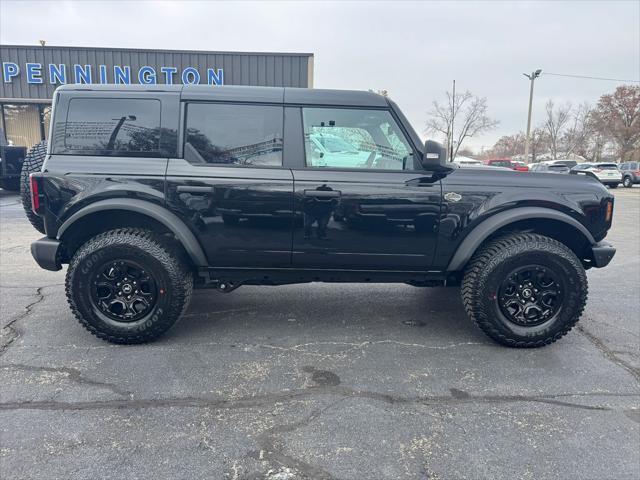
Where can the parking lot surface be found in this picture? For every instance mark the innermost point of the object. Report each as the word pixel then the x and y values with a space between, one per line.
pixel 328 381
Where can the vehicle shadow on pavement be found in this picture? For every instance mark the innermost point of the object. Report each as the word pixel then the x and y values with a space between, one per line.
pixel 332 310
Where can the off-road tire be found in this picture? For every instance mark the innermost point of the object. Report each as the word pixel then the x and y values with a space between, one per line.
pixel 492 263
pixel 627 182
pixel 32 163
pixel 160 257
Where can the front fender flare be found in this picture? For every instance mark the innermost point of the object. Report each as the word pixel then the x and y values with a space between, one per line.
pixel 482 231
pixel 161 214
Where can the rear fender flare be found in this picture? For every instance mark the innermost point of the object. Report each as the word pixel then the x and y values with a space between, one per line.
pixel 158 213
pixel 482 231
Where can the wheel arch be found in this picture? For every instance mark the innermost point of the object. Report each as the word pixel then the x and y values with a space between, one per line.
pixel 552 223
pixel 91 220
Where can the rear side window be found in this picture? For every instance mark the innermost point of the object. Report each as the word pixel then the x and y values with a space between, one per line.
pixel 234 135
pixel 109 126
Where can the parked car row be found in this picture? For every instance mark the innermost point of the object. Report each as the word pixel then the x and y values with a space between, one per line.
pixel 610 174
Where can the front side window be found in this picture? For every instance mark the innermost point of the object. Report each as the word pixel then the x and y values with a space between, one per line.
pixel 234 135
pixel 109 126
pixel 355 138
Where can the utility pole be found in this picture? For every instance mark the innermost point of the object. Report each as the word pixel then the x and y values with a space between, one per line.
pixel 527 140
pixel 453 118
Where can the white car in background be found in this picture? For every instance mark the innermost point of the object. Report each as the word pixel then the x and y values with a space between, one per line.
pixel 607 173
pixel 467 162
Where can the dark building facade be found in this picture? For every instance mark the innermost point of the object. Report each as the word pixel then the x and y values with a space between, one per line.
pixel 30 74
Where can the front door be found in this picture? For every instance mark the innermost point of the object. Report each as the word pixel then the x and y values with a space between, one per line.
pixel 231 187
pixel 361 201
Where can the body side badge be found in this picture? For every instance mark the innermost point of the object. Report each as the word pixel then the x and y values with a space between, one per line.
pixel 452 197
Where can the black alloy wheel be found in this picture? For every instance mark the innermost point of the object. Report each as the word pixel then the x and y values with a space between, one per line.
pixel 530 295
pixel 123 291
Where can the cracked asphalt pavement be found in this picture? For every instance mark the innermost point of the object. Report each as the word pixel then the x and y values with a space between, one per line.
pixel 318 382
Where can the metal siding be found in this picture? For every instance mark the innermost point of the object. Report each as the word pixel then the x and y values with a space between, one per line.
pixel 241 68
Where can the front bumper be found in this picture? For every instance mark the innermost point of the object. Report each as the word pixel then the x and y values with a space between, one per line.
pixel 46 253
pixel 602 253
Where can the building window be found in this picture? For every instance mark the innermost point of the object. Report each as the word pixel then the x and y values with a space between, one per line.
pixel 240 135
pixel 45 114
pixel 22 124
pixel 119 127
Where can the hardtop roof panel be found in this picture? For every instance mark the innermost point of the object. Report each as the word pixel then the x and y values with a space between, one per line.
pixel 237 93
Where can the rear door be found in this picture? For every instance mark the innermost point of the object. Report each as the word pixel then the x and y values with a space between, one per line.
pixel 361 202
pixel 230 185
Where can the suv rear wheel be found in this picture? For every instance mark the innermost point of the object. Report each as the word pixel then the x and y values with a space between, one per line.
pixel 524 290
pixel 627 182
pixel 128 286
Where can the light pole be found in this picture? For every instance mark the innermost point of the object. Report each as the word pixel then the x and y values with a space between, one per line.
pixel 532 78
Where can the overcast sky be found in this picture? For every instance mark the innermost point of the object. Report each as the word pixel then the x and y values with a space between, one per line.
pixel 412 49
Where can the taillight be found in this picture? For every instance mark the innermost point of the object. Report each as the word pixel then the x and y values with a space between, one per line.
pixel 637 172
pixel 597 170
pixel 35 194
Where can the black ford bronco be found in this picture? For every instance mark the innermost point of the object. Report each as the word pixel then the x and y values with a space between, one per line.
pixel 150 191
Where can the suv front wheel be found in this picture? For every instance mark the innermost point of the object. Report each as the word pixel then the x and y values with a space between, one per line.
pixel 524 290
pixel 128 285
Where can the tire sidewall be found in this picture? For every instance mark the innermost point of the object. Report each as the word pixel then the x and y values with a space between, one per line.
pixel 81 286
pixel 568 275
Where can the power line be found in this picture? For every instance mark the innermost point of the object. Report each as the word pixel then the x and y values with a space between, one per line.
pixel 591 78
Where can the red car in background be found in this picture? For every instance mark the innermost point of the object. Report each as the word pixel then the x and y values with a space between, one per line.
pixel 508 163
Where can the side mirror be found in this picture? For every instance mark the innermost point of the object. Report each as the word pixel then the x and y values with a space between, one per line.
pixel 434 157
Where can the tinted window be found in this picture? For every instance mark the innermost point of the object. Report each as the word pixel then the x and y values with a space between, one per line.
pixel 607 166
pixel 501 163
pixel 106 126
pixel 243 135
pixel 354 138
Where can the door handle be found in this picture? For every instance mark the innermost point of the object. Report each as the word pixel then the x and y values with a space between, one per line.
pixel 322 193
pixel 193 189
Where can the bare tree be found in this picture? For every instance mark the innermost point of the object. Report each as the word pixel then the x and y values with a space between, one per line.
pixel 539 142
pixel 557 119
pixel 460 118
pixel 509 145
pixel 577 138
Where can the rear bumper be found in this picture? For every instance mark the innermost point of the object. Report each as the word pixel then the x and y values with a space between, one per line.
pixel 602 253
pixel 46 253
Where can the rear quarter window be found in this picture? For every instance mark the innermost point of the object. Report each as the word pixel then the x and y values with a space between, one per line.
pixel 113 126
